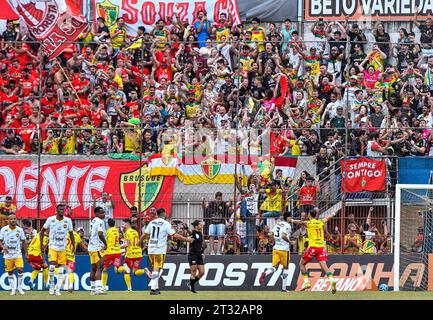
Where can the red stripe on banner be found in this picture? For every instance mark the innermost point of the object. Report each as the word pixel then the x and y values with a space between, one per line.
pixel 78 181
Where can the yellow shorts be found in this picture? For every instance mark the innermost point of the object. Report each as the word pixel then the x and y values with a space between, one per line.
pixel 12 264
pixel 157 260
pixel 280 257
pixel 95 256
pixel 58 257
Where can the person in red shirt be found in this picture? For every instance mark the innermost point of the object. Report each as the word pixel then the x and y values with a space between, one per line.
pixel 163 70
pixel 82 85
pixel 307 195
pixel 97 114
pixel 133 105
pixel 23 53
pixel 15 70
pixel 28 83
pixel 48 103
pixel 7 98
pixel 5 78
pixel 26 131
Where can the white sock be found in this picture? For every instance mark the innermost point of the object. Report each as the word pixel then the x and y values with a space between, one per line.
pixel 285 278
pixel 154 280
pixel 20 280
pixel 270 270
pixel 60 278
pixel 12 282
pixel 98 284
pixel 92 285
pixel 51 275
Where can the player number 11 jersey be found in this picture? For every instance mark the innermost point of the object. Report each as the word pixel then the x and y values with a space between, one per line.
pixel 158 231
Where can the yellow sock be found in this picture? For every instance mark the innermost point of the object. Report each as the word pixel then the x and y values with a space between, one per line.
pixel 45 275
pixel 104 278
pixel 71 279
pixel 127 280
pixel 56 271
pixel 138 272
pixel 120 269
pixel 34 275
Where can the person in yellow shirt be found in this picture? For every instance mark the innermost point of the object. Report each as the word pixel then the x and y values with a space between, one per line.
pixel 352 241
pixel 118 34
pixel 258 34
pixel 316 246
pixel 132 135
pixel 273 204
pixel 35 258
pixel 113 254
pixel 134 255
pixel 70 256
pixel 67 142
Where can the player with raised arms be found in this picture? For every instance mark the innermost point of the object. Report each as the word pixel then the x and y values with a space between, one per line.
pixel 156 233
pixel 316 246
pixel 12 238
pixel 96 248
pixel 113 254
pixel 195 255
pixel 58 228
pixel 281 251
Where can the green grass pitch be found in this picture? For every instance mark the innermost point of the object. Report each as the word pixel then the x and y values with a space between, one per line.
pixel 225 295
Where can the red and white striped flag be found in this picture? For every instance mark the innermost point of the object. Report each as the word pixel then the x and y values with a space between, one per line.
pixel 56 23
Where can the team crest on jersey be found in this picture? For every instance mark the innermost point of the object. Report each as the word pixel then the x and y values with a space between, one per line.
pixel 211 167
pixel 18 235
pixel 108 11
pixel 132 184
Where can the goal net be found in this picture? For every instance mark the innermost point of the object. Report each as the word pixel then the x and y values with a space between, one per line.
pixel 413 237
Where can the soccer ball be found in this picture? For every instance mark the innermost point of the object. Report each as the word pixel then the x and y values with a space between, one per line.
pixel 383 287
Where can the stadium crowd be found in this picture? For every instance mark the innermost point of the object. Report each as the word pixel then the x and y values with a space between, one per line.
pixel 221 88
pixel 115 92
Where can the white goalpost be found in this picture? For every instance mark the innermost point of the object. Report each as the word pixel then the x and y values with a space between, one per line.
pixel 413 233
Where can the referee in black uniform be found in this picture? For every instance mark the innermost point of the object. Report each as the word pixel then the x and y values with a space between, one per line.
pixel 195 255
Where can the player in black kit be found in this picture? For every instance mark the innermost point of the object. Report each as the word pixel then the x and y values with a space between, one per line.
pixel 195 255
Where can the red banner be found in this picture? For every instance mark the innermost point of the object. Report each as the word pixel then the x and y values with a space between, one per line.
pixel 363 174
pixel 77 182
pixel 56 23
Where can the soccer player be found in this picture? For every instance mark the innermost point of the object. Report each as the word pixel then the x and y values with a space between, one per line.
pixel 134 255
pixel 58 228
pixel 156 233
pixel 316 246
pixel 35 258
pixel 281 251
pixel 11 239
pixel 70 256
pixel 195 255
pixel 97 246
pixel 113 254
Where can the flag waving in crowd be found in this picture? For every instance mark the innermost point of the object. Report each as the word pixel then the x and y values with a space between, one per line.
pixel 56 23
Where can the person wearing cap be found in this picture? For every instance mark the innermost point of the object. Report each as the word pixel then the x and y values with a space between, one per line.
pixel 196 254
pixel 12 143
